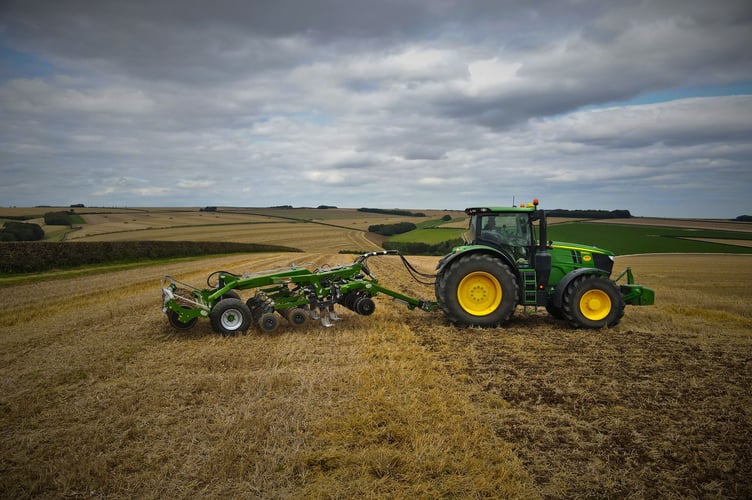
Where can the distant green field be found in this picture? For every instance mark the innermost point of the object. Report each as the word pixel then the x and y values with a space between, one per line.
pixel 632 239
pixel 621 239
pixel 438 222
pixel 76 219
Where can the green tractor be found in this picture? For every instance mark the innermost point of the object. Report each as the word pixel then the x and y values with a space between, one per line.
pixel 503 265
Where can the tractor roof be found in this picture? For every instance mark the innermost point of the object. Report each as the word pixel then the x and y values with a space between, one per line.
pixel 496 210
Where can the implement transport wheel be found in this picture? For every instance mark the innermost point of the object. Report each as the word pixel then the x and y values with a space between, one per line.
pixel 593 302
pixel 230 316
pixel 175 322
pixel 477 290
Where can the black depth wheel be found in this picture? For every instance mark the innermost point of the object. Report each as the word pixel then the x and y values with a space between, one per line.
pixel 477 290
pixel 364 306
pixel 593 301
pixel 230 316
pixel 175 322
pixel 268 322
pixel 297 316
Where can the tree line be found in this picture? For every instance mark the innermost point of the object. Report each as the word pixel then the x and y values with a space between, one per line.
pixel 392 229
pixel 404 213
pixel 589 214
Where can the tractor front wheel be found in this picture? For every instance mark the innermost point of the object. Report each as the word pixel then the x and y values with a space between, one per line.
pixel 593 302
pixel 477 290
pixel 230 316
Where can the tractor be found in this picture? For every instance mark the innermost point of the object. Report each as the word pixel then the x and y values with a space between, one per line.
pixel 503 265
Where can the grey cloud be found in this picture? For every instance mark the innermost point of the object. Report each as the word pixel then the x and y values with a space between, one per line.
pixel 424 103
pixel 197 41
pixel 678 123
pixel 621 55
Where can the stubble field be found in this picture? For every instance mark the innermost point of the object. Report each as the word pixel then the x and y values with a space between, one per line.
pixel 100 397
pixel 308 229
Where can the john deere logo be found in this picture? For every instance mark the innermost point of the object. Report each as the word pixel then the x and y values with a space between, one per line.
pixel 587 257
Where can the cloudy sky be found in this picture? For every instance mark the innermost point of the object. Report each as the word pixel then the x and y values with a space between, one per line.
pixel 637 105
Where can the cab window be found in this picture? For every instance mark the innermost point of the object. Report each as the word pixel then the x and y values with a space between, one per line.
pixel 470 235
pixel 511 230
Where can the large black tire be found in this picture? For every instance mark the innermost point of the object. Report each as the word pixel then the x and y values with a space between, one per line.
pixel 593 301
pixel 230 316
pixel 477 290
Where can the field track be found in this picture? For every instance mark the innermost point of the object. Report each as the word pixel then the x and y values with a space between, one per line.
pixel 100 397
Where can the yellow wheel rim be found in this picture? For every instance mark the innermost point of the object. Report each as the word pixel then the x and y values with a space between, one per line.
pixel 595 304
pixel 479 293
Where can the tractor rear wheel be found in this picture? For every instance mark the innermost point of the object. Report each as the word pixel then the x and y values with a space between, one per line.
pixel 477 290
pixel 230 316
pixel 593 302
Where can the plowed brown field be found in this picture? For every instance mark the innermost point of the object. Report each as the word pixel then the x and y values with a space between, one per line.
pixel 99 397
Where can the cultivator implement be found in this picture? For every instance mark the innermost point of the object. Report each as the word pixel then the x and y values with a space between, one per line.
pixel 297 294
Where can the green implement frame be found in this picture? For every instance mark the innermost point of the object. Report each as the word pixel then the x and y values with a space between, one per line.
pixel 296 293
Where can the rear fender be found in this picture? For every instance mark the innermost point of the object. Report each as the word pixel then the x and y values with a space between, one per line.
pixel 471 249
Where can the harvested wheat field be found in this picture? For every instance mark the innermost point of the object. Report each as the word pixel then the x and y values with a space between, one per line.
pixel 101 398
pixel 304 236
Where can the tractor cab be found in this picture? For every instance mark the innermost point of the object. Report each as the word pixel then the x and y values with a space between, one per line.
pixel 508 229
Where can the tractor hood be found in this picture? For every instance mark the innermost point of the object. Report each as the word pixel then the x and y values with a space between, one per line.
pixel 578 255
pixel 578 247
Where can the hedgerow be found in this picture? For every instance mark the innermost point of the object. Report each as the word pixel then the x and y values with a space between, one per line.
pixel 21 231
pixel 392 229
pixel 31 257
pixel 57 218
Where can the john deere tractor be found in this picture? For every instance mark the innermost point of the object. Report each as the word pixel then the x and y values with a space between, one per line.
pixel 505 264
